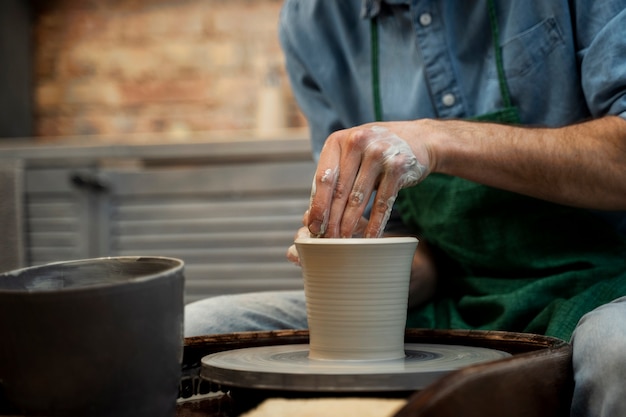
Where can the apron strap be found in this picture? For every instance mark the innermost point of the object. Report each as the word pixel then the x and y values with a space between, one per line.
pixel 495 36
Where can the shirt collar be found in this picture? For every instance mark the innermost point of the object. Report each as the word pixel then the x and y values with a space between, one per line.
pixel 371 8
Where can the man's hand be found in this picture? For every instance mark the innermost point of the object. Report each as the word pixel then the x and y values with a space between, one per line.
pixel 303 232
pixel 354 163
pixel 582 165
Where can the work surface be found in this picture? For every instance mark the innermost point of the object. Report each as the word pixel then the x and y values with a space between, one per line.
pixel 535 380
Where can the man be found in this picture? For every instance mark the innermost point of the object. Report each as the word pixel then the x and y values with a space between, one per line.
pixel 496 131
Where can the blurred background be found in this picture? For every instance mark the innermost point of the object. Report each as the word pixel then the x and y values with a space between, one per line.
pixel 91 67
pixel 151 128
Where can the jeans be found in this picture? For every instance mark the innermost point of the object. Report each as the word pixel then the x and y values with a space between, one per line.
pixel 599 341
pixel 255 311
pixel 599 362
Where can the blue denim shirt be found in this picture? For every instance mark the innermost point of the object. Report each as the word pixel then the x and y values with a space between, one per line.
pixel 565 61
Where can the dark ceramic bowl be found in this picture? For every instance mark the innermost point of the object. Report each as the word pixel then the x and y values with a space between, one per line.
pixel 94 337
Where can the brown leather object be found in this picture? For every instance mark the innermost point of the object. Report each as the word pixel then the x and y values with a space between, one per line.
pixel 537 383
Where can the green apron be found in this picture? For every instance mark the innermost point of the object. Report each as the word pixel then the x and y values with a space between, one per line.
pixel 507 261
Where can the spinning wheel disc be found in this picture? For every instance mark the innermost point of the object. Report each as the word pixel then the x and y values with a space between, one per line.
pixel 287 367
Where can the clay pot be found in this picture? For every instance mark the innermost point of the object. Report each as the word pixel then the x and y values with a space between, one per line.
pixel 357 294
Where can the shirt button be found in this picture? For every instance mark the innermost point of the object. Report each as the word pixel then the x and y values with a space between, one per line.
pixel 448 100
pixel 425 19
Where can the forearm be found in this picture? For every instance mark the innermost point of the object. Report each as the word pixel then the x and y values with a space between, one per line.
pixel 582 165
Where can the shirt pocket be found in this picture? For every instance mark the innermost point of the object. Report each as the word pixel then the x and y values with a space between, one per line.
pixel 528 51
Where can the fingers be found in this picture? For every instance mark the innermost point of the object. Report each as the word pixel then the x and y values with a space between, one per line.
pixel 362 190
pixel 292 255
pixel 333 186
pixel 400 169
pixel 357 179
pixel 353 164
pixel 381 209
pixel 292 252
pixel 322 190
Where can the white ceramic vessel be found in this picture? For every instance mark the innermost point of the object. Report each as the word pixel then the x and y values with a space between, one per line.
pixel 357 293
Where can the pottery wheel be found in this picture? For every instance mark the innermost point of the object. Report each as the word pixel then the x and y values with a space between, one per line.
pixel 287 367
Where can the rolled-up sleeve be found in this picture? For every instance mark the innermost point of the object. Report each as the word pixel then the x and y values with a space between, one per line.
pixel 602 38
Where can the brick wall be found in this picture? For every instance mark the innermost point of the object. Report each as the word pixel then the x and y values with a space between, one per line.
pixel 177 66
